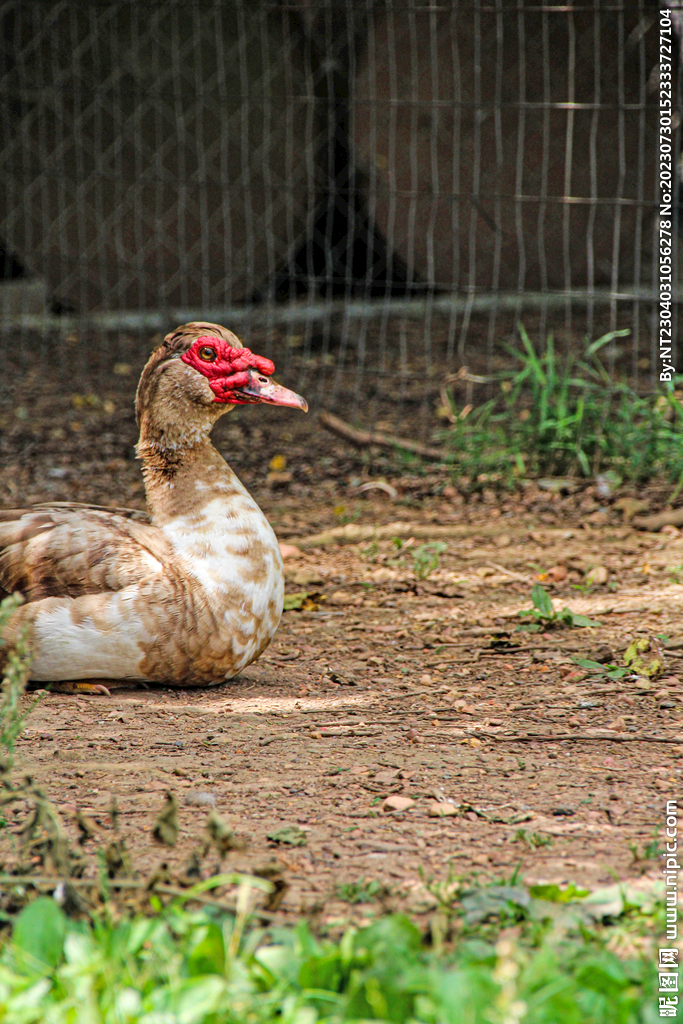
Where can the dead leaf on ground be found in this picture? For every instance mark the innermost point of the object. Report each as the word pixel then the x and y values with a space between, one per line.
pixel 165 829
pixel 88 828
pixel 643 657
pixel 222 836
pixel 117 859
pixel 279 479
pixel 303 600
pixel 383 575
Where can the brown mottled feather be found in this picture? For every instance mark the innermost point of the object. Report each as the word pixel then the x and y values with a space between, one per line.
pixel 68 552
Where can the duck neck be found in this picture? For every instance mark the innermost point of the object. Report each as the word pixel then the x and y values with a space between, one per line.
pixel 182 479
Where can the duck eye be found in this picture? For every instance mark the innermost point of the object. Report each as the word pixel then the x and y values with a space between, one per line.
pixel 207 353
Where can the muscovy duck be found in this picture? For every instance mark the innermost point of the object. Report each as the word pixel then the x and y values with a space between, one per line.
pixel 189 594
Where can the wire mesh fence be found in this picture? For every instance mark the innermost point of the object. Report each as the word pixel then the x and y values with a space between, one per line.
pixel 365 184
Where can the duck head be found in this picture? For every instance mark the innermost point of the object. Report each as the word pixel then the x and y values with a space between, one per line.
pixel 200 371
pixel 238 376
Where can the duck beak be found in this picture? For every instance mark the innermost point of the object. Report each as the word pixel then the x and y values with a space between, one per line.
pixel 263 389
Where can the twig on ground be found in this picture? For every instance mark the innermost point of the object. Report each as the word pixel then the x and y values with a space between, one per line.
pixel 563 737
pixel 353 533
pixel 674 517
pixel 509 572
pixel 362 438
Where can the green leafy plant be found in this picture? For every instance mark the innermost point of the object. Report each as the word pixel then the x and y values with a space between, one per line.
pixel 446 891
pixel 585 587
pixel 369 553
pixel 554 894
pixel 534 840
pixel 568 416
pixel 545 617
pixel 650 851
pixel 362 891
pixel 201 966
pixel 426 558
pixel 17 665
pixel 609 671
pixel 344 517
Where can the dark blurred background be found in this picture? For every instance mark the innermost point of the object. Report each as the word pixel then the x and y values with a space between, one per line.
pixel 363 179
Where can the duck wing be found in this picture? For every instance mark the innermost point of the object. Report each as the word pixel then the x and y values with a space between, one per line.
pixel 69 506
pixel 70 550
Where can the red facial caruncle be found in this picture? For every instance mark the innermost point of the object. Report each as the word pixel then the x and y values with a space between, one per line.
pixel 238 376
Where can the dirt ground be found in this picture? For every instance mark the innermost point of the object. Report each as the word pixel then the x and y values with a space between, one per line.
pixel 385 684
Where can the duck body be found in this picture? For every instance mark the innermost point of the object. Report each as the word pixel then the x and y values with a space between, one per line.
pixel 189 597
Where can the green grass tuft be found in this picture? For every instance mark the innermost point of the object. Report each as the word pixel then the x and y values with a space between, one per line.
pixel 554 417
pixel 16 662
pixel 544 615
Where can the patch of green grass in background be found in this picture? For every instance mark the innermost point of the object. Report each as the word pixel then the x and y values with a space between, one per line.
pixel 363 891
pixel 568 417
pixel 426 559
pixel 539 955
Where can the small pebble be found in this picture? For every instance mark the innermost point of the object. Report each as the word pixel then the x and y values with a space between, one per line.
pixel 397 803
pixel 441 809
pixel 200 799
